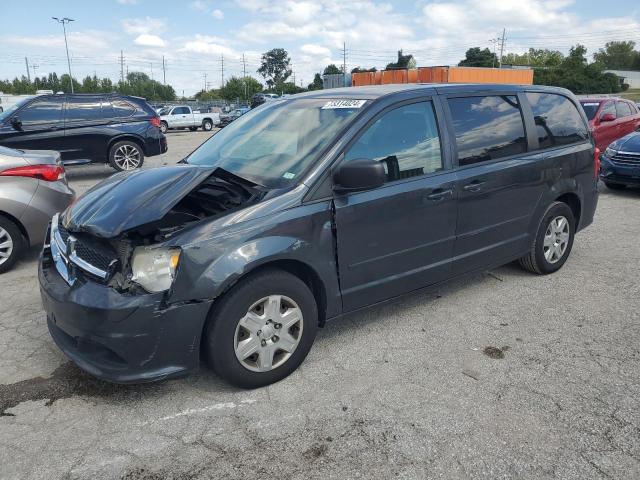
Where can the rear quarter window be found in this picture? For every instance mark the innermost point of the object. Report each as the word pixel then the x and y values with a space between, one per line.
pixel 487 128
pixel 122 108
pixel 557 119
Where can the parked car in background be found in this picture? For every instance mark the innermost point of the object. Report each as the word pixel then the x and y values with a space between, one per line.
pixel 620 162
pixel 182 116
pixel 610 118
pixel 307 209
pixel 86 128
pixel 33 187
pixel 259 98
pixel 227 118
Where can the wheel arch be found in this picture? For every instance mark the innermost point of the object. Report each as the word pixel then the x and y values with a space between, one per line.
pixel 573 201
pixel 18 224
pixel 132 138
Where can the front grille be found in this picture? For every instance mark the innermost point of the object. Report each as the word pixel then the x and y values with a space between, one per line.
pixel 626 158
pixel 89 253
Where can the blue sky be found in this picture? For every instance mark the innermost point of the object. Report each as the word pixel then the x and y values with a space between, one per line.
pixel 193 35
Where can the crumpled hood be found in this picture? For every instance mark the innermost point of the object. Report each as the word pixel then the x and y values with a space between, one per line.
pixel 129 200
pixel 628 143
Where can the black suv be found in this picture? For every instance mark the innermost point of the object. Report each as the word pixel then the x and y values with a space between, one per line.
pixel 85 128
pixel 309 208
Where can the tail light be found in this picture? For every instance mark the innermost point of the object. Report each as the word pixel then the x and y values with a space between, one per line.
pixel 596 162
pixel 155 121
pixel 48 173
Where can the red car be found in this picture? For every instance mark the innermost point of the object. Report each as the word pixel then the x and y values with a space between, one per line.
pixel 610 118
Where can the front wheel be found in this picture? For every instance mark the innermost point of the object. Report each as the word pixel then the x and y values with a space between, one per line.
pixel 126 156
pixel 207 125
pixel 553 241
pixel 262 330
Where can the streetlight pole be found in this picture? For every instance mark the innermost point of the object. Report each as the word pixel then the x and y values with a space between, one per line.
pixel 64 21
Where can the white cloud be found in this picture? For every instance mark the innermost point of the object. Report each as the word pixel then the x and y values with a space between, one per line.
pixel 312 49
pixel 217 14
pixel 200 5
pixel 127 2
pixel 140 26
pixel 147 40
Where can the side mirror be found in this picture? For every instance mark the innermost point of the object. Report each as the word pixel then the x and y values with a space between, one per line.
pixel 357 175
pixel 16 123
pixel 607 117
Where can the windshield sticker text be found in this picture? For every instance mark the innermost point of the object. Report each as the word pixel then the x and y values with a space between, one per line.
pixel 344 104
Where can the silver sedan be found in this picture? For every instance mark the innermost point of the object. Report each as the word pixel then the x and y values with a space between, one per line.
pixel 33 187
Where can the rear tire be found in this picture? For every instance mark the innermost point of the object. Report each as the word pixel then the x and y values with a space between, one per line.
pixel 553 241
pixel 164 126
pixel 250 339
pixel 615 186
pixel 12 244
pixel 207 125
pixel 126 156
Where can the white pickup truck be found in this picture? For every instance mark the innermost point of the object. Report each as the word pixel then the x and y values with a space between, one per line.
pixel 181 116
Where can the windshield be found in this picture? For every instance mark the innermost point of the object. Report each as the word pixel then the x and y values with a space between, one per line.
pixel 590 108
pixel 274 144
pixel 9 111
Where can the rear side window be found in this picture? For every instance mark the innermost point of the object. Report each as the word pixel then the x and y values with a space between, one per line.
pixel 623 109
pixel 122 108
pixel 85 108
pixel 609 107
pixel 487 128
pixel 48 110
pixel 557 120
pixel 404 139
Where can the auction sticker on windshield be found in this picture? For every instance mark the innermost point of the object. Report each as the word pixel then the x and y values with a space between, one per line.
pixel 344 104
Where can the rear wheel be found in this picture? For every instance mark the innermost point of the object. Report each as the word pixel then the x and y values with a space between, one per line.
pixel 126 156
pixel 615 186
pixel 207 125
pixel 553 241
pixel 261 330
pixel 164 126
pixel 12 244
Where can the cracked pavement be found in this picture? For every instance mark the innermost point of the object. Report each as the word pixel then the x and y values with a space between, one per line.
pixel 407 390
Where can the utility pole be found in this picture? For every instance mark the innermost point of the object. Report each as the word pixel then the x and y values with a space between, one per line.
pixel 205 81
pixel 64 21
pixel 494 41
pixel 222 69
pixel 34 67
pixel 121 66
pixel 501 47
pixel 164 72
pixel 294 77
pixel 344 64
pixel 244 67
pixel 28 72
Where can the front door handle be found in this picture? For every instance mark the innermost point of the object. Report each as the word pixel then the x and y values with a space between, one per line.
pixel 474 186
pixel 439 194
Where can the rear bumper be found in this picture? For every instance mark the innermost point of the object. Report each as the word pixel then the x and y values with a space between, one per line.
pixel 620 174
pixel 49 199
pixel 155 144
pixel 120 338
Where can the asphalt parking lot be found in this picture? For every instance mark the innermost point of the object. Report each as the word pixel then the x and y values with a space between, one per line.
pixel 409 390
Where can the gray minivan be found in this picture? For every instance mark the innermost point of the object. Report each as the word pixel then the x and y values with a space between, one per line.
pixel 307 209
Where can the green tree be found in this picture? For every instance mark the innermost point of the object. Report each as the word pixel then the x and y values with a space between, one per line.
pixel 275 66
pixel 363 70
pixel 541 57
pixel 476 57
pixel 404 61
pixel 243 88
pixel 332 70
pixel 207 96
pixel 317 83
pixel 618 56
pixel 139 84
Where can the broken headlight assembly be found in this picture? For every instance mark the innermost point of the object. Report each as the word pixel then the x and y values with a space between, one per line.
pixel 154 268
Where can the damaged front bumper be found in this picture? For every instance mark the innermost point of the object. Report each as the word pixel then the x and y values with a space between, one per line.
pixel 119 337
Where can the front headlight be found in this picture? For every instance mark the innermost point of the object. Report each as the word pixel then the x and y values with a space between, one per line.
pixel 154 268
pixel 610 152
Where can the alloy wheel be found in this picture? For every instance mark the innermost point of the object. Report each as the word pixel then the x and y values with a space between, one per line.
pixel 556 239
pixel 268 334
pixel 6 245
pixel 127 157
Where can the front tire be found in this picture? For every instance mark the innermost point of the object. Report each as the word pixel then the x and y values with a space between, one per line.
pixel 207 125
pixel 553 241
pixel 261 330
pixel 126 156
pixel 12 244
pixel 615 186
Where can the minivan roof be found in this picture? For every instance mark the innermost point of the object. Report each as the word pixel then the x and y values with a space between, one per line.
pixel 372 92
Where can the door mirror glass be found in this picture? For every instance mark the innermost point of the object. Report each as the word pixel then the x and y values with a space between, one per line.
pixel 16 123
pixel 360 174
pixel 608 117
